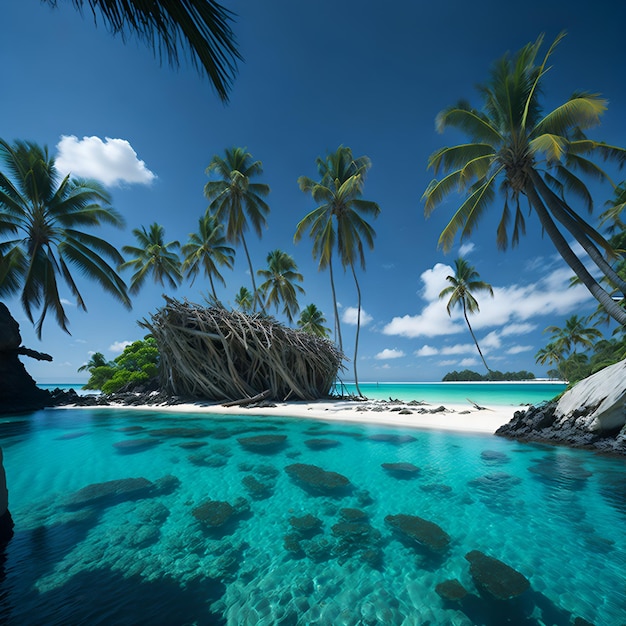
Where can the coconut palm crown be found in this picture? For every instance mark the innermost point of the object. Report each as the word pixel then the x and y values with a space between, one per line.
pixel 516 149
pixel 281 283
pixel 42 236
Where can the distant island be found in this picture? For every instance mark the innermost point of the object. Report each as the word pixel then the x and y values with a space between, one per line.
pixel 491 376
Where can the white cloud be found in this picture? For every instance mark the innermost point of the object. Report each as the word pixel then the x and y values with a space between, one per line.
pixel 468 362
pixel 112 161
pixel 426 350
pixel 517 329
pixel 118 346
pixel 466 249
pixel 459 348
pixel 511 307
pixel 350 316
pixel 447 362
pixel 388 353
pixel 492 340
pixel 519 349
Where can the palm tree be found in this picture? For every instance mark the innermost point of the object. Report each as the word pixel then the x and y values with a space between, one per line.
pixel 235 199
pixel 575 333
pixel 207 250
pixel 465 281
pixel 97 360
pixel 41 220
pixel 281 278
pixel 244 299
pixel 312 321
pixel 339 222
pixel 171 27
pixel 552 354
pixel 152 256
pixel 515 146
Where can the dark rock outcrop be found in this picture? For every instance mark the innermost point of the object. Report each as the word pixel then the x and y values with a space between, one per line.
pixel 495 577
pixel 592 414
pixel 451 590
pixel 417 530
pixel 318 480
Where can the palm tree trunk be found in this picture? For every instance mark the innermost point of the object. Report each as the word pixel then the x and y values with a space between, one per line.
pixel 213 288
pixel 474 336
pixel 562 247
pixel 255 295
pixel 358 330
pixel 332 287
pixel 555 205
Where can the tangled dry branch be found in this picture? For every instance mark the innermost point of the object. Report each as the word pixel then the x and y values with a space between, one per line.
pixel 216 354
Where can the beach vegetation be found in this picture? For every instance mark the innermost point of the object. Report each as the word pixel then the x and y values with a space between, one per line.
pixel 199 28
pixel 207 251
pixel 339 222
pixel 153 257
pixel 463 283
pixel 44 224
pixel 517 150
pixel 97 360
pixel 238 201
pixel 312 321
pixel 493 376
pixel 281 283
pixel 138 363
pixel 244 300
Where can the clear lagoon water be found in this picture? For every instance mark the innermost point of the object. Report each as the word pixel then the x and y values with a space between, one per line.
pixel 139 554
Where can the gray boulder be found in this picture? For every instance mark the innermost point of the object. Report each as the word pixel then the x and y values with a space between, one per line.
pixel 592 414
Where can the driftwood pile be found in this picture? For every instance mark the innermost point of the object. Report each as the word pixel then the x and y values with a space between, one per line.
pixel 215 354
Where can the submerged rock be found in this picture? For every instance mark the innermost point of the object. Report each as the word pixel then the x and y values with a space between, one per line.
pixel 390 438
pixel 111 492
pixel 451 590
pixel 256 488
pixel 401 470
pixel 418 530
pixel 306 524
pixel 266 444
pixel 217 513
pixel 317 479
pixel 353 515
pixel 321 444
pixel 495 577
pixel 131 446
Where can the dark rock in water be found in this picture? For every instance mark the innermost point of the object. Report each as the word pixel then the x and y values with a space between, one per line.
pixel 389 438
pixel 317 479
pixel 495 577
pixel 266 444
pixel 451 590
pixel 357 532
pixel 561 472
pixel 130 446
pixel 213 512
pixel 257 489
pixel 321 444
pixel 306 524
pixel 401 470
pixel 495 483
pixel 166 485
pixel 111 492
pixel 68 436
pixel 353 515
pixel 179 433
pixel 192 445
pixel 580 621
pixel 129 429
pixel 439 488
pixel 318 550
pixel 291 543
pixel 207 460
pixel 6 528
pixel 494 457
pixel 216 513
pixel 418 530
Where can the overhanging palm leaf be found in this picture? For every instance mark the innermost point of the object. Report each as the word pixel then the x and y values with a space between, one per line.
pixel 172 26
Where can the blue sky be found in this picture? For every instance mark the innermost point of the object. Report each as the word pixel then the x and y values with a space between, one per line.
pixel 316 76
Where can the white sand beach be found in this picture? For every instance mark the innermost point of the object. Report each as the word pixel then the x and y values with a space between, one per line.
pixel 454 417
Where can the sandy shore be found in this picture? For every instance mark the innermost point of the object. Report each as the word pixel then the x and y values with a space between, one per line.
pixel 454 417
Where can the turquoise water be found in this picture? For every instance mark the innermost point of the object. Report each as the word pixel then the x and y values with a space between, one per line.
pixel 142 557
pixel 494 393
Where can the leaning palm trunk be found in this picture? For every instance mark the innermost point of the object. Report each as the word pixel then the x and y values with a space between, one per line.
pixel 474 336
pixel 332 287
pixel 214 354
pixel 358 329
pixel 611 307
pixel 556 207
pixel 255 296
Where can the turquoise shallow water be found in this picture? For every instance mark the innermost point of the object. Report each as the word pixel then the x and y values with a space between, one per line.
pixel 140 556
pixel 494 393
